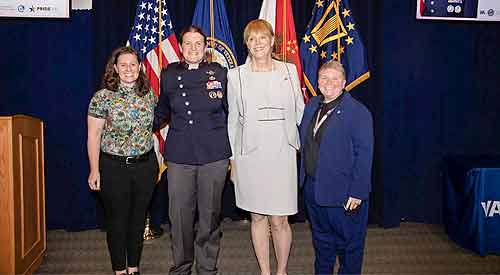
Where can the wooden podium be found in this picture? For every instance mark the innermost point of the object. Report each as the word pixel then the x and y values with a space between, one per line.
pixel 22 195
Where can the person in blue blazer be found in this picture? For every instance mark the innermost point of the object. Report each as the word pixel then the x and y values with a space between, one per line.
pixel 336 134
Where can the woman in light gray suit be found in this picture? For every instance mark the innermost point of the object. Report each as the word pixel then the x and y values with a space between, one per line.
pixel 265 107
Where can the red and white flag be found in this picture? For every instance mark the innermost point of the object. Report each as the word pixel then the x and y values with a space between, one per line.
pixel 279 14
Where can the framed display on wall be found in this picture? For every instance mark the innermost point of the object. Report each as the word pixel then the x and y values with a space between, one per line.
pixel 472 10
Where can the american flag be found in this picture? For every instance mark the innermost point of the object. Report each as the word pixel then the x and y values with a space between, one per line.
pixel 152 24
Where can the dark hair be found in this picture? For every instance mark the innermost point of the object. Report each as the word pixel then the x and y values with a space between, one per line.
pixel 111 79
pixel 193 28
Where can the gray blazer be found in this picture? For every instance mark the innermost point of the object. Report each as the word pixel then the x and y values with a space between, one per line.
pixel 242 121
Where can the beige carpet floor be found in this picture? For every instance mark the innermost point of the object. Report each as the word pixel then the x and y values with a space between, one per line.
pixel 410 249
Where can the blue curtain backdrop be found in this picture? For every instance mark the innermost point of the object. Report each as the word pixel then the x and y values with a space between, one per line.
pixel 439 96
pixel 46 73
pixel 433 92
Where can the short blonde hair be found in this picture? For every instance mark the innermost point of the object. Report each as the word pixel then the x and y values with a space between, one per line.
pixel 332 64
pixel 257 26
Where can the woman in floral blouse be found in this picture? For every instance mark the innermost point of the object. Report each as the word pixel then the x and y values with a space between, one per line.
pixel 123 166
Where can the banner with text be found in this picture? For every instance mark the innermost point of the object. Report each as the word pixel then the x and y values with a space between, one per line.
pixel 35 8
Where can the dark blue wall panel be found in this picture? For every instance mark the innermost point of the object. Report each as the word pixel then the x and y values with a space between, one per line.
pixel 433 92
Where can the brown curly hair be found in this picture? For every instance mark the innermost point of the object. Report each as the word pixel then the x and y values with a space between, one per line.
pixel 111 79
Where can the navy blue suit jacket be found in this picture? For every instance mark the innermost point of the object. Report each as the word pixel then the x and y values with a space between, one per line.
pixel 194 103
pixel 344 164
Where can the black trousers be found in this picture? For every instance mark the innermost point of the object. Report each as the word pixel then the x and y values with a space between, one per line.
pixel 126 190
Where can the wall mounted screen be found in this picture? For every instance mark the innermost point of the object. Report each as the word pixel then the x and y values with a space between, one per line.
pixel 473 10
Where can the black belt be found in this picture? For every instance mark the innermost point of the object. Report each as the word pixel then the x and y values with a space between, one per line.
pixel 128 159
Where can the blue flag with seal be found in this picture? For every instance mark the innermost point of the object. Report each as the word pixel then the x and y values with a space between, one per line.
pixel 333 34
pixel 211 17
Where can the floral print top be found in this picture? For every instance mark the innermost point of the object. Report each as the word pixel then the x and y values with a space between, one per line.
pixel 129 120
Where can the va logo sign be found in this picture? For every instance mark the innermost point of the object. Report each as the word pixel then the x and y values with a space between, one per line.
pixel 491 208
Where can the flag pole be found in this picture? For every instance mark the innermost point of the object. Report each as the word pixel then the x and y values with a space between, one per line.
pixel 149 232
pixel 284 40
pixel 337 26
pixel 160 38
pixel 163 166
pixel 212 32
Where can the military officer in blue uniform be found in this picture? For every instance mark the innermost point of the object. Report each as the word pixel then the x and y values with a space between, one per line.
pixel 193 101
pixel 450 8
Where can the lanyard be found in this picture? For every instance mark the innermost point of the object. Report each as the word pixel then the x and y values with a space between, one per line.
pixel 319 121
